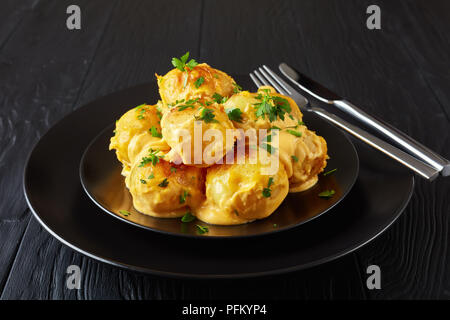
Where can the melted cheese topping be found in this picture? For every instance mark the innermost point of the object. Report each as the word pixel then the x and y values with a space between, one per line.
pixel 234 193
pixel 179 85
pixel 154 197
pixel 177 124
pixel 224 194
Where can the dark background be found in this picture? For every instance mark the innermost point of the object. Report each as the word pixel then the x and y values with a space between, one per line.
pixel 400 73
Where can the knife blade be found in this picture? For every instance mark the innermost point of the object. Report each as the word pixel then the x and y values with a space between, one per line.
pixel 325 95
pixel 308 85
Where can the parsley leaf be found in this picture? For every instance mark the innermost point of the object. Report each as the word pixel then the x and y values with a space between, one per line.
pixel 236 88
pixel 267 192
pixel 329 172
pixel 181 64
pixel 201 229
pixel 183 196
pixel 294 158
pixel 199 82
pixel 271 106
pixel 124 212
pixel 143 181
pixel 164 183
pixel 188 104
pixel 295 133
pixel 152 158
pixel 141 109
pixel 155 132
pixel 234 114
pixel 218 98
pixel 207 115
pixel 188 217
pixel 151 176
pixel 327 194
pixel 268 148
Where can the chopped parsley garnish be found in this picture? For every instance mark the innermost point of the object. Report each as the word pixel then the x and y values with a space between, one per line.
pixel 294 158
pixel 271 106
pixel 143 181
pixel 183 196
pixel 158 112
pixel 236 212
pixel 201 229
pixel 188 104
pixel 124 212
pixel 151 176
pixel 267 192
pixel 268 148
pixel 155 132
pixel 268 138
pixel 173 169
pixel 175 103
pixel 274 128
pixel 207 115
pixel 188 217
pixel 236 88
pixel 300 123
pixel 181 64
pixel 141 109
pixel 327 194
pixel 234 114
pixel 329 172
pixel 294 133
pixel 275 225
pixel 218 98
pixel 199 82
pixel 152 158
pixel 164 183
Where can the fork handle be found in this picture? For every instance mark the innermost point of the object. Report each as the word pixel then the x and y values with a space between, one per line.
pixel 403 140
pixel 423 169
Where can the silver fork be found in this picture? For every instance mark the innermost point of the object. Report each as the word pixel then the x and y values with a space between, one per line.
pixel 265 76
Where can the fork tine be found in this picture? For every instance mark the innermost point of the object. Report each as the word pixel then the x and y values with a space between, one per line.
pixel 256 81
pixel 261 78
pixel 273 82
pixel 282 83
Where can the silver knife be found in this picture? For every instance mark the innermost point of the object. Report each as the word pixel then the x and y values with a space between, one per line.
pixel 327 96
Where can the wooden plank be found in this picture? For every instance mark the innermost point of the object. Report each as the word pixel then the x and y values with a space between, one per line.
pixel 11 233
pixel 46 279
pixel 11 15
pixel 39 85
pixel 142 38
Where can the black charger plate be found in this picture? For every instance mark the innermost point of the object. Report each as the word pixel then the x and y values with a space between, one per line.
pixel 56 198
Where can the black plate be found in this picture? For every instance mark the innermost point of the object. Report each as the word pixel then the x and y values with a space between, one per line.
pixel 56 198
pixel 100 174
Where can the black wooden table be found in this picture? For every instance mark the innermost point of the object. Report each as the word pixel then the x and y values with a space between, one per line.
pixel 400 73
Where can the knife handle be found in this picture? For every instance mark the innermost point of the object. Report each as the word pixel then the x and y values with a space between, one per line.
pixel 405 141
pixel 423 169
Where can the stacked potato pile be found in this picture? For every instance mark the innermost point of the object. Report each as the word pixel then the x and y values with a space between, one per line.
pixel 159 167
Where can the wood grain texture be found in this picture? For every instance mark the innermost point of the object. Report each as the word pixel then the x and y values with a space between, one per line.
pixel 399 73
pixel 39 85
